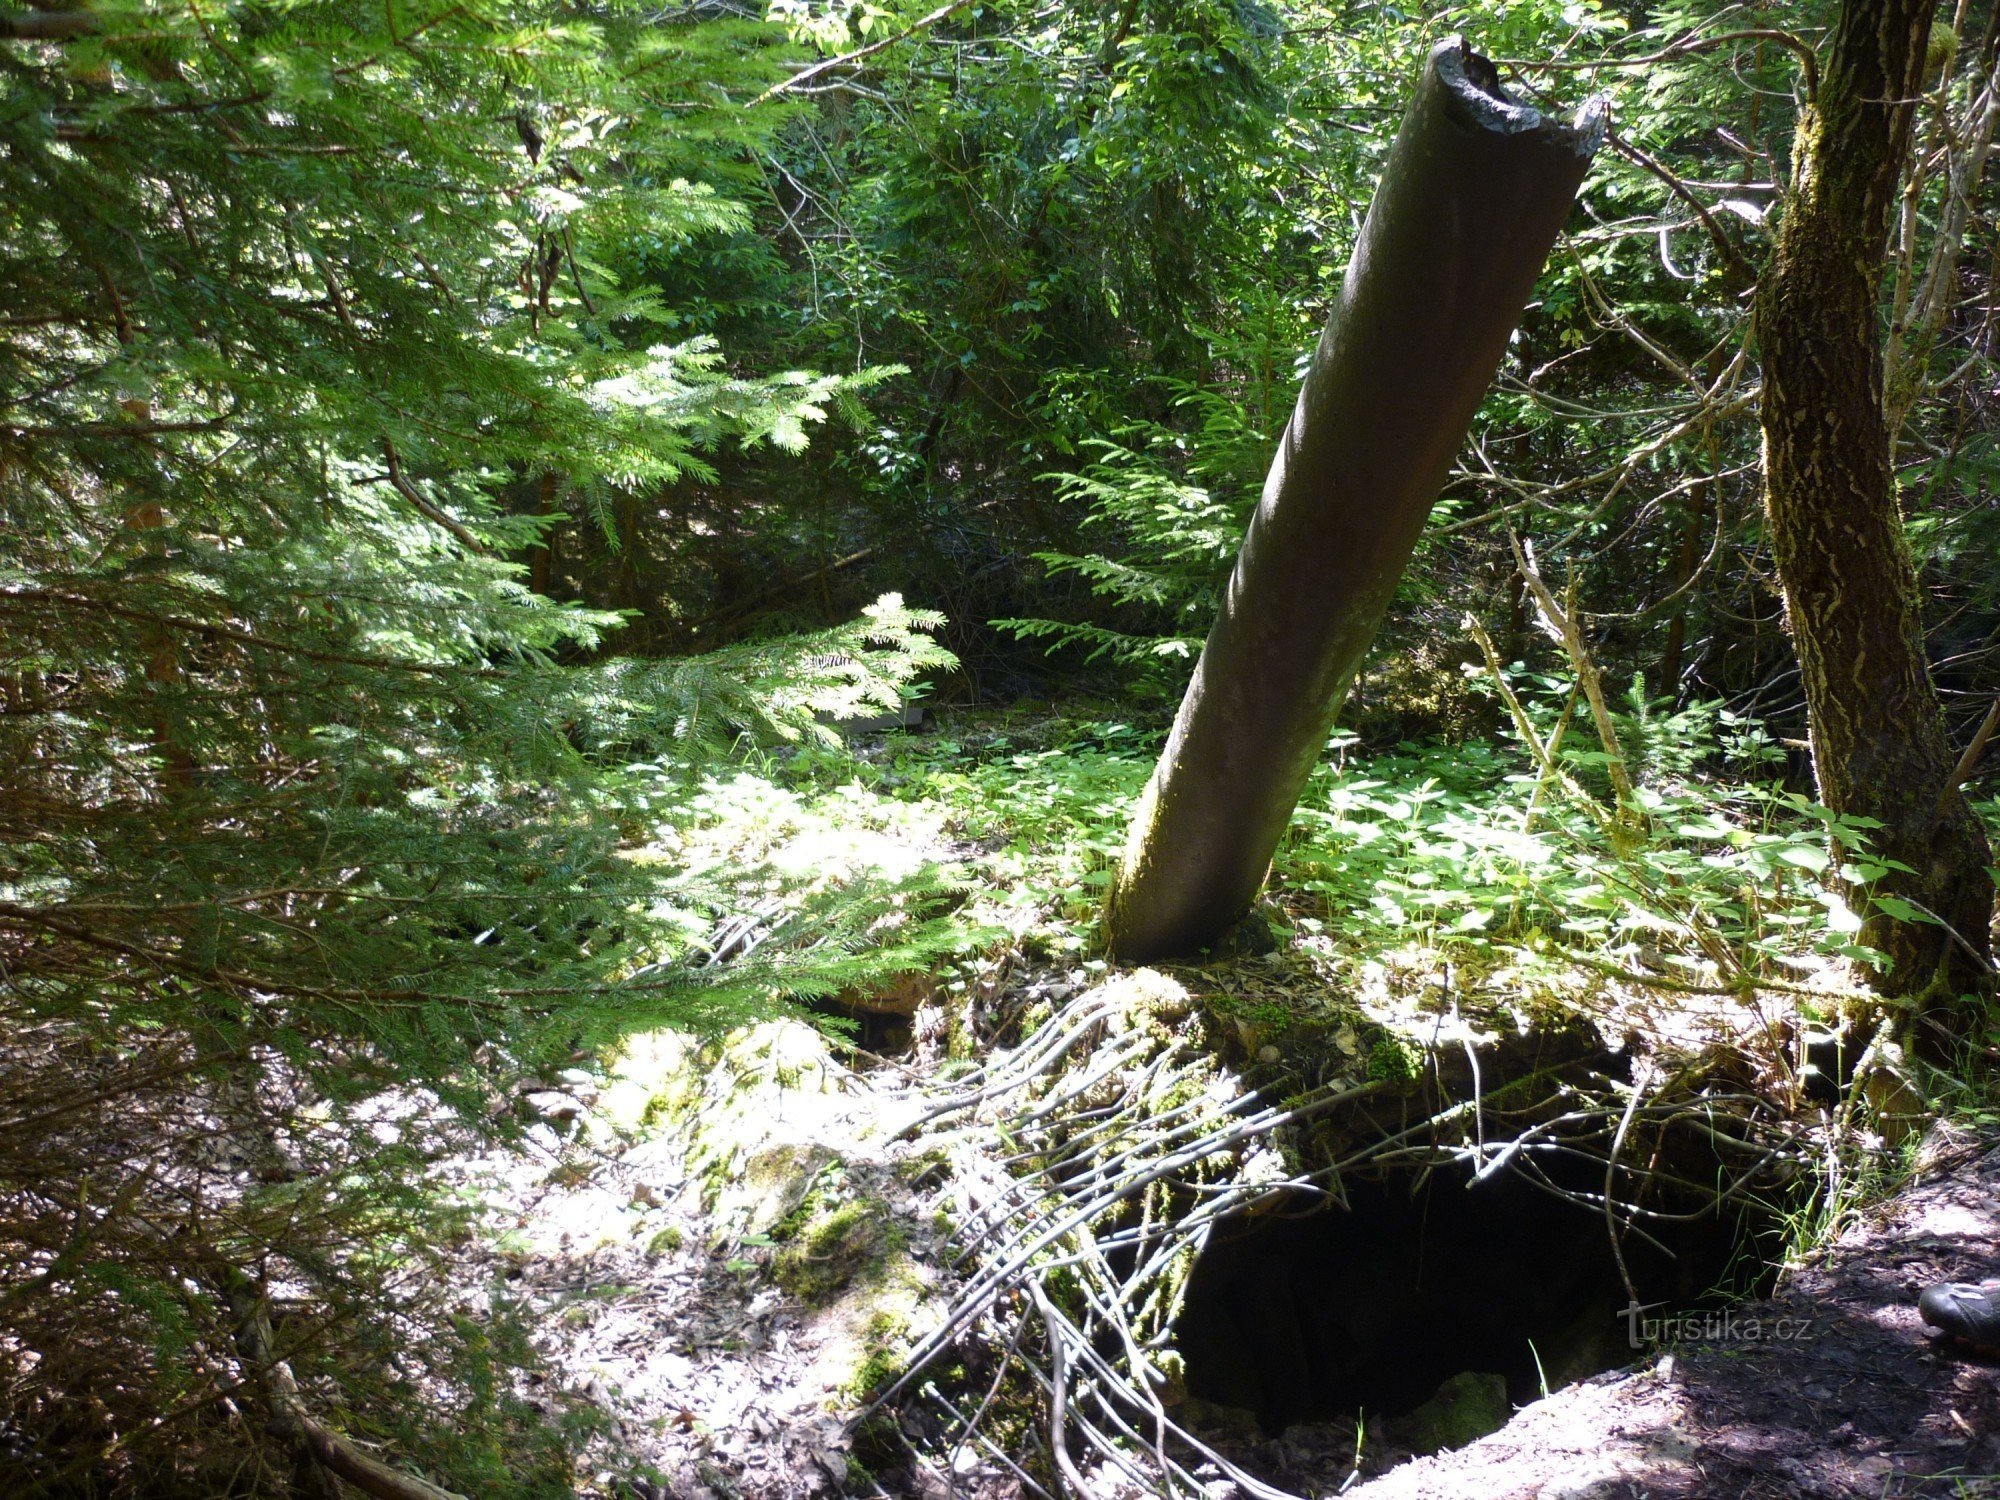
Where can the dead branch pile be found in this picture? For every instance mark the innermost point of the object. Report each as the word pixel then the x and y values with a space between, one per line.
pixel 1091 1162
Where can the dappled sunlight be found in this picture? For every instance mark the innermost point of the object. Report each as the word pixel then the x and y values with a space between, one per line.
pixel 724 1268
pixel 855 749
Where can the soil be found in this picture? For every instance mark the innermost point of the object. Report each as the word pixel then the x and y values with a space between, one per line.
pixel 1832 1387
pixel 711 1381
pixel 681 1247
pixel 653 1275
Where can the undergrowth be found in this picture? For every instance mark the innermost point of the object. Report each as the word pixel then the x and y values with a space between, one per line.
pixel 822 869
pixel 1723 882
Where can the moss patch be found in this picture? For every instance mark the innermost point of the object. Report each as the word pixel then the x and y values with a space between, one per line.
pixel 836 1249
pixel 1466 1408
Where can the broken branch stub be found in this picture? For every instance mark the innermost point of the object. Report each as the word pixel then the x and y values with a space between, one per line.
pixel 1476 188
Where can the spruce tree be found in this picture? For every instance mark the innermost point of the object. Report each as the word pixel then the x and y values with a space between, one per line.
pixel 308 802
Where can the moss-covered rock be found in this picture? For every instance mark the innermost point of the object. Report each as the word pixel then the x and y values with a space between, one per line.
pixel 772 1185
pixel 873 1323
pixel 837 1248
pixel 783 1151
pixel 1466 1408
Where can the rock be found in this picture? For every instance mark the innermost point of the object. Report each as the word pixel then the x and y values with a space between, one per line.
pixel 1466 1408
pixel 773 1183
pixel 1212 1419
pixel 1251 935
pixel 552 1104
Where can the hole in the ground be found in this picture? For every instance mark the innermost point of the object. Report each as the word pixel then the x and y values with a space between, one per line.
pixel 1310 1314
pixel 866 1030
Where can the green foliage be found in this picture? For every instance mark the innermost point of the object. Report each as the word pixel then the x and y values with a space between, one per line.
pixel 1421 845
pixel 758 693
pixel 1053 816
pixel 1170 517
pixel 317 805
pixel 833 1245
pixel 1461 847
pixel 373 379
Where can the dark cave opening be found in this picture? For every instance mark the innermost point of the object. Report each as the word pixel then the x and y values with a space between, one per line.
pixel 1312 1313
pixel 864 1032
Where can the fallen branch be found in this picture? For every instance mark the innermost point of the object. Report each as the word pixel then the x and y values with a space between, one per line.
pixel 1966 762
pixel 1544 754
pixel 1560 623
pixel 370 1475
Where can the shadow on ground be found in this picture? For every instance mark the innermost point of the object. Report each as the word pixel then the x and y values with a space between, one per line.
pixel 1830 1388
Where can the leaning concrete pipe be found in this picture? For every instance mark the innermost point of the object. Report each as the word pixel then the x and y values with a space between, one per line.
pixel 1474 192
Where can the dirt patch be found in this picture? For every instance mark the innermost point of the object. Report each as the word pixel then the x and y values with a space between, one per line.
pixel 729 1250
pixel 720 1251
pixel 1832 1387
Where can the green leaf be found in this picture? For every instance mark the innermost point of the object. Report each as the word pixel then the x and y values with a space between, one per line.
pixel 1903 911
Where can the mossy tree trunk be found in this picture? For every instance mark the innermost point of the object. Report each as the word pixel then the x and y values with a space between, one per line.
pixel 1473 195
pixel 1878 737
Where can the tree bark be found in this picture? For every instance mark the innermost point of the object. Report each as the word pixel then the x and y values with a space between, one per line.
pixel 1878 736
pixel 542 556
pixel 1474 193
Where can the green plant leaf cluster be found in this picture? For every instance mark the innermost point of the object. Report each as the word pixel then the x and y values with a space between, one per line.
pixel 315 800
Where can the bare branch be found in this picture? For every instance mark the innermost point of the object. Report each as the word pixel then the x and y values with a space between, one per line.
pixel 848 59
pixel 397 481
pixel 1966 762
pixel 1680 190
pixel 1808 60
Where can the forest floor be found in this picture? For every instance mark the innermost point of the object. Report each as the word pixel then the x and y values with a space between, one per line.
pixel 665 1307
pixel 725 1249
pixel 652 1295
pixel 1832 1387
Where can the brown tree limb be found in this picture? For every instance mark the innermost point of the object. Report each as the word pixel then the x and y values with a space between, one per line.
pixel 1645 160
pixel 365 1473
pixel 848 59
pixel 1798 46
pixel 397 481
pixel 1981 737
pixel 47 25
pixel 15 598
pixel 1560 624
pixel 326 1452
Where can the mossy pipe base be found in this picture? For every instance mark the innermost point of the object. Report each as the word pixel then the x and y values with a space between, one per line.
pixel 1476 188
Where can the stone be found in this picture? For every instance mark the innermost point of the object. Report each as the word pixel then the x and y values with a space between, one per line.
pixel 1466 1408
